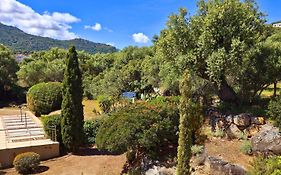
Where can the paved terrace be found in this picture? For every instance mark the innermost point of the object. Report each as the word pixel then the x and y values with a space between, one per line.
pixel 23 133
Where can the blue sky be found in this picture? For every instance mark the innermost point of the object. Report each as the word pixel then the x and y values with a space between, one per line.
pixel 120 23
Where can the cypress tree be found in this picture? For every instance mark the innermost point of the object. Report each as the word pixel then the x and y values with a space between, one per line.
pixel 72 108
pixel 188 111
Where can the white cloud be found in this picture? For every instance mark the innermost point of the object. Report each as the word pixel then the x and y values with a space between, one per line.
pixel 96 27
pixel 54 25
pixel 140 38
pixel 108 29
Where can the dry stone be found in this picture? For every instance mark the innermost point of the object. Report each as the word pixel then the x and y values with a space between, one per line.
pixel 268 141
pixel 233 132
pixel 221 167
pixel 258 120
pixel 242 120
pixel 252 130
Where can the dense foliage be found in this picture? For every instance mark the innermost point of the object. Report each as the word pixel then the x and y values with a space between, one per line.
pixel 22 42
pixel 41 67
pixel 44 98
pixel 90 130
pixel 8 69
pixel 72 108
pixel 51 124
pixel 140 129
pixel 266 166
pixel 216 46
pixel 26 162
pixel 274 110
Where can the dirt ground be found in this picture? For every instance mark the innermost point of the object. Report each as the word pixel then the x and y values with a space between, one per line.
pixel 228 150
pixel 88 162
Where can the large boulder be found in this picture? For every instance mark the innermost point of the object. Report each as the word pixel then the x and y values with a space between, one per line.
pixel 267 141
pixel 221 167
pixel 233 132
pixel 242 120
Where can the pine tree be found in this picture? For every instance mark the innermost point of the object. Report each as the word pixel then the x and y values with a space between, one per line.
pixel 72 108
pixel 189 113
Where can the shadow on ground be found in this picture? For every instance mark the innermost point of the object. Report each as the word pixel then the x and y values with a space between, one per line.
pixel 2 172
pixel 94 152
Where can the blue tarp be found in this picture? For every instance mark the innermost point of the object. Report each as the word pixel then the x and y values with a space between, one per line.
pixel 129 94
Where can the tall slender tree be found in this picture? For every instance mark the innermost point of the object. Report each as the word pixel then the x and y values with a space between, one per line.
pixel 190 114
pixel 72 108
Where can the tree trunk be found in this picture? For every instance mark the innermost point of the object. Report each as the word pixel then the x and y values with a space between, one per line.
pixel 227 94
pixel 275 89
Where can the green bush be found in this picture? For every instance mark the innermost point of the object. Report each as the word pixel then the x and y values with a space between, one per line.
pixel 54 121
pixel 51 122
pixel 90 130
pixel 26 162
pixel 197 149
pixel 246 147
pixel 266 166
pixel 105 103
pixel 218 133
pixel 139 128
pixel 44 98
pixel 274 110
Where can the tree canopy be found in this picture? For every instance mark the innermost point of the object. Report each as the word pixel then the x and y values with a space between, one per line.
pixel 8 69
pixel 221 38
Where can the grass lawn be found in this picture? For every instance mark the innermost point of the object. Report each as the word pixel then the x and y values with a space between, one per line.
pixel 268 92
pixel 89 107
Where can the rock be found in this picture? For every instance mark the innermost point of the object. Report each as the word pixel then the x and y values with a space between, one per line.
pixel 229 119
pixel 252 130
pixel 258 120
pixel 160 170
pixel 221 167
pixel 267 141
pixel 242 120
pixel 233 132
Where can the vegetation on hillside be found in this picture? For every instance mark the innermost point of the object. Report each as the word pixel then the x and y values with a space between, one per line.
pixel 22 42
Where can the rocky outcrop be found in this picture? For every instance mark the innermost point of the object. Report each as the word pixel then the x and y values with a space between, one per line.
pixel 267 141
pixel 221 167
pixel 242 120
pixel 235 126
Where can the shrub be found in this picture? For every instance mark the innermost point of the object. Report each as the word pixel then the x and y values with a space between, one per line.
pixel 197 149
pixel 50 122
pixel 26 162
pixel 90 130
pixel 274 110
pixel 246 147
pixel 44 98
pixel 266 166
pixel 105 103
pixel 218 133
pixel 139 128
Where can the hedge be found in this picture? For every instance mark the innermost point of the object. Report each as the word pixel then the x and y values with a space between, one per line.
pixel 44 98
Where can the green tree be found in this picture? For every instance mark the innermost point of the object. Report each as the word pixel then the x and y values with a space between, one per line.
pixel 190 115
pixel 72 108
pixel 216 42
pixel 8 69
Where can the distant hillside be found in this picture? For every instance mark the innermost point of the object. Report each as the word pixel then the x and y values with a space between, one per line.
pixel 20 42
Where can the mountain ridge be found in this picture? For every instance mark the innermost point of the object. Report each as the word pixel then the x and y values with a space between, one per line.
pixel 19 41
